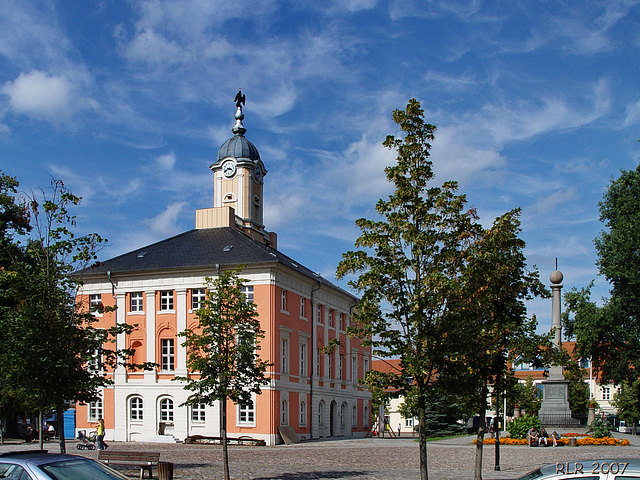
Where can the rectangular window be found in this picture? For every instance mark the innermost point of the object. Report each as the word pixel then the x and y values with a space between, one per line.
pixel 246 413
pixel 284 347
pixel 340 366
pixel 135 302
pixel 319 318
pixel 248 293
pixel 283 301
pixel 136 410
pixel 95 304
pixel 198 412
pixel 167 354
pixel 302 307
pixel 303 414
pixel 606 393
pixel 331 319
pixel 354 368
pixel 318 361
pixel 341 322
pixel 198 296
pixel 329 369
pixel 95 410
pixel 408 422
pixel 354 416
pixel 303 360
pixel 166 300
pixel 365 367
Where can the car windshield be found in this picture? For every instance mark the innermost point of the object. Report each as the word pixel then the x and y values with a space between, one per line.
pixel 80 469
pixel 531 475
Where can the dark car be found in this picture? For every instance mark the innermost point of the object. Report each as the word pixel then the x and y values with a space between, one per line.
pixel 40 465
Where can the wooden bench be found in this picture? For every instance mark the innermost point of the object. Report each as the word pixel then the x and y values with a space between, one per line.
pixel 145 460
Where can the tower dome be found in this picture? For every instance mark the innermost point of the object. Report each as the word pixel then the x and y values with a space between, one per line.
pixel 239 148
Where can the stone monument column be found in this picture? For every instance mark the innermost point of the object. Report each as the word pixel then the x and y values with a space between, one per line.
pixel 555 410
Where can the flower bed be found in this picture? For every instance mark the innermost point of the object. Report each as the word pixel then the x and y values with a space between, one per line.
pixel 564 440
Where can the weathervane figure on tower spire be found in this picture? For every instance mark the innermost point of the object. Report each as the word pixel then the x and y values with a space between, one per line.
pixel 239 98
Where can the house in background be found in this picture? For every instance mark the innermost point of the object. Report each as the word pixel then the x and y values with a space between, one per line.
pixel 158 289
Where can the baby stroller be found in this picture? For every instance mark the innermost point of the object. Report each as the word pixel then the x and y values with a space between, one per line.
pixel 86 442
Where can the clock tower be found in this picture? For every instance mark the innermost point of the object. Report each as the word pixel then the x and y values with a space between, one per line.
pixel 238 180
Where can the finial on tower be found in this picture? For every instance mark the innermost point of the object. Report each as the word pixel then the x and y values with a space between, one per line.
pixel 238 128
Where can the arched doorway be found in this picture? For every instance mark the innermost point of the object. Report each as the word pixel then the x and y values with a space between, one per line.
pixel 332 418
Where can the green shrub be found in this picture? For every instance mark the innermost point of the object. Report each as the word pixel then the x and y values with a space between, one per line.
pixel 519 427
pixel 599 428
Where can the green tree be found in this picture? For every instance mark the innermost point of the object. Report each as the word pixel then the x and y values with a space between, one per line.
pixel 527 396
pixel 610 334
pixel 224 350
pixel 627 402
pixel 409 266
pixel 578 390
pixel 49 343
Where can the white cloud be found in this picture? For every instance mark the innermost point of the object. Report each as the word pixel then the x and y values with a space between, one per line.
pixel 166 224
pixel 151 47
pixel 548 204
pixel 166 161
pixel 39 95
pixel 45 97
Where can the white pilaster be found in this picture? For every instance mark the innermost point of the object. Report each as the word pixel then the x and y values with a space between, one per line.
pixel 181 323
pixel 150 375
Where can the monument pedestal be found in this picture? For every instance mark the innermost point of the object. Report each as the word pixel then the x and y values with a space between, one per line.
pixel 555 410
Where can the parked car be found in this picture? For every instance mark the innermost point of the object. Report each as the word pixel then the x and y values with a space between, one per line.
pixel 40 465
pixel 609 469
pixel 624 428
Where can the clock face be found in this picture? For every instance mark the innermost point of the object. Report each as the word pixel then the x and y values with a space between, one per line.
pixel 258 173
pixel 229 168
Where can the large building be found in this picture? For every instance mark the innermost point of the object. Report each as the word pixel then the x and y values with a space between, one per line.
pixel 158 288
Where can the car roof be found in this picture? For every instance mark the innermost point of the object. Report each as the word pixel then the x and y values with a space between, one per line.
pixel 36 457
pixel 568 467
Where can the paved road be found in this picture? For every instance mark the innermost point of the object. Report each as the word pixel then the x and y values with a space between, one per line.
pixel 370 459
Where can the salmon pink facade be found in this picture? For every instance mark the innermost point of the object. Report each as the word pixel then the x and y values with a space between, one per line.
pixel 157 290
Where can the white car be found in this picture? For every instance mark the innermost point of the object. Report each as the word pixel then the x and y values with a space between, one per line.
pixel 610 469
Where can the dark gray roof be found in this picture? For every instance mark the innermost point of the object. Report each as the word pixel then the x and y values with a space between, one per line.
pixel 238 147
pixel 201 248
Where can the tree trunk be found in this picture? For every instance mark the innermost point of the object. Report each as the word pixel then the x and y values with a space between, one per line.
pixel 223 435
pixel 477 474
pixel 40 432
pixel 60 416
pixel 422 433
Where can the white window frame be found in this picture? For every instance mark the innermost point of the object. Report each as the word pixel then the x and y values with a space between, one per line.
pixel 284 412
pixel 319 359
pixel 198 296
pixel 343 413
pixel 283 301
pixel 331 319
pixel 329 365
pixel 136 409
pixel 167 354
pixel 340 322
pixel 303 359
pixel 95 302
pixel 247 290
pixel 246 414
pixel 136 302
pixel 166 410
pixel 284 355
pixel 321 413
pixel 408 422
pixel 198 412
pixel 365 417
pixel 303 413
pixel 606 393
pixel 166 301
pixel 303 303
pixel 354 416
pixel 319 318
pixel 354 368
pixel 94 410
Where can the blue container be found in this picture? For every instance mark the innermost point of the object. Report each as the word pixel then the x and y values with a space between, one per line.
pixel 70 424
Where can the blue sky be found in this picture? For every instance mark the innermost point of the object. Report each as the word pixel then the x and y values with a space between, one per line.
pixel 537 105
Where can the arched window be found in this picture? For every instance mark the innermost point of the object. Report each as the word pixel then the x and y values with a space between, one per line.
pixel 166 410
pixel 354 416
pixel 135 409
pixel 365 417
pixel 343 413
pixel 303 413
pixel 321 413
pixel 284 413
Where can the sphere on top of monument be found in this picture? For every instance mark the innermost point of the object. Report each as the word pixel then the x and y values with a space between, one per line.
pixel 556 277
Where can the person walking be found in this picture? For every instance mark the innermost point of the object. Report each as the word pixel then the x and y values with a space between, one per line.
pixel 100 435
